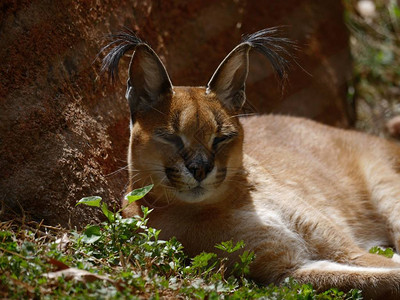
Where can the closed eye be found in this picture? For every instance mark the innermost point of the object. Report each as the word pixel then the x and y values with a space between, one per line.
pixel 223 139
pixel 169 138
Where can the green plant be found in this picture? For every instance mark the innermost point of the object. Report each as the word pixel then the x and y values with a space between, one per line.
pixel 124 258
pixel 93 233
pixel 387 252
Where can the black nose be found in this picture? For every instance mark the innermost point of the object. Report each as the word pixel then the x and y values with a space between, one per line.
pixel 199 169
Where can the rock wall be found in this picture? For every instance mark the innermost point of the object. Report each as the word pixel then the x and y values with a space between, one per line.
pixel 64 129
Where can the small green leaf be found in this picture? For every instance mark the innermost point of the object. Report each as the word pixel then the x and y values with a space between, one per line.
pixel 90 201
pixel 229 247
pixel 388 252
pixel 204 262
pixel 92 230
pixel 91 234
pixel 138 193
pixel 109 214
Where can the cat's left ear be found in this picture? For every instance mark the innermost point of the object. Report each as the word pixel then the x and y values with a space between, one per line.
pixel 228 81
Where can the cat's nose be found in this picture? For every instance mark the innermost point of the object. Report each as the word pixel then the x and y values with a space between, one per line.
pixel 199 168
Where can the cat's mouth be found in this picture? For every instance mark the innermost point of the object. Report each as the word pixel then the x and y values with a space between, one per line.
pixel 198 190
pixel 188 190
pixel 194 195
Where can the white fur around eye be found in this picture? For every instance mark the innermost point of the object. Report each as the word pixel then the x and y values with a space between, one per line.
pixel 211 140
pixel 161 140
pixel 185 140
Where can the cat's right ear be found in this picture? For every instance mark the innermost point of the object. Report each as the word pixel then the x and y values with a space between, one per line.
pixel 148 80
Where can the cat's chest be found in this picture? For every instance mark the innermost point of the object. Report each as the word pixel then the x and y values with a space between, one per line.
pixel 201 230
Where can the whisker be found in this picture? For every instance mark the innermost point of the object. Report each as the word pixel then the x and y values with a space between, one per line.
pixel 148 170
pixel 158 110
pixel 243 115
pixel 135 175
pixel 117 171
pixel 121 160
pixel 166 194
pixel 236 181
pixel 136 181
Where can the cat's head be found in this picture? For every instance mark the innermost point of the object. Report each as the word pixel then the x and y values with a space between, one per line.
pixel 187 141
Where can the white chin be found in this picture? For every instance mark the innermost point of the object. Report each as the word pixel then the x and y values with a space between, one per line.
pixel 195 195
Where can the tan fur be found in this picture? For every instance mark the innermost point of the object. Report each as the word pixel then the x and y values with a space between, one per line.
pixel 308 199
pixel 298 192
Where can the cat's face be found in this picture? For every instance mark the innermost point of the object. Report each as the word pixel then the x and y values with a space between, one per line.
pixel 189 147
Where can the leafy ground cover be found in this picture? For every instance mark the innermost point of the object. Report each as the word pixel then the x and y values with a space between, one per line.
pixel 125 259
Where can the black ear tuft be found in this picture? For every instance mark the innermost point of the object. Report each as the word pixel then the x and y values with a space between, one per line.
pixel 277 49
pixel 148 79
pixel 121 43
pixel 228 81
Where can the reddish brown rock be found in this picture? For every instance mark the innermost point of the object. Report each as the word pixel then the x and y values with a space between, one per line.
pixel 64 130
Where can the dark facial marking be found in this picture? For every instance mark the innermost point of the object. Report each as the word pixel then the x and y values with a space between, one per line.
pixel 169 137
pixel 200 164
pixel 175 121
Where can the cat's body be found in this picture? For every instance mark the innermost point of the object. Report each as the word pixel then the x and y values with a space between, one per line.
pixel 344 175
pixel 290 182
pixel 308 199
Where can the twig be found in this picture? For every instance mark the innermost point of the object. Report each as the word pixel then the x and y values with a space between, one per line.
pixel 14 253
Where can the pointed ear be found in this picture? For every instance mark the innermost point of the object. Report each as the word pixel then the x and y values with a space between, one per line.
pixel 148 80
pixel 228 81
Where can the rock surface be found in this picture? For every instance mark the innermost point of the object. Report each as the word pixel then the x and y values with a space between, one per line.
pixel 64 129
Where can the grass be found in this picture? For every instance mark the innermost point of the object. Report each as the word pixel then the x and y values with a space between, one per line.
pixel 125 259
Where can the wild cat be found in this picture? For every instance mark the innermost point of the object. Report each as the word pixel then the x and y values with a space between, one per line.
pixel 308 199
